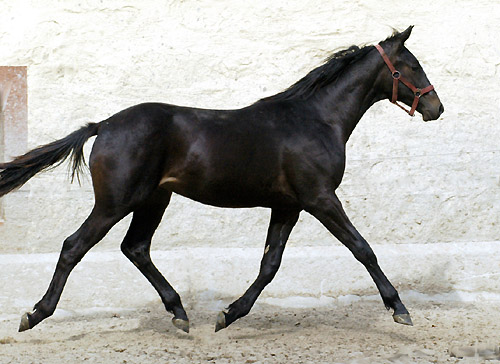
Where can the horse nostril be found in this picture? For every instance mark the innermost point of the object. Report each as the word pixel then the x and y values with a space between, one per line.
pixel 441 109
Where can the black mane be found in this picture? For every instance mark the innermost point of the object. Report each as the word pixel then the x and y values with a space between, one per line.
pixel 322 75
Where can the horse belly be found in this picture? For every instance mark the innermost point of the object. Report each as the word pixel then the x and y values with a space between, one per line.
pixel 233 193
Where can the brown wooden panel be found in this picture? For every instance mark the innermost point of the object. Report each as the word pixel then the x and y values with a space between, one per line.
pixel 14 111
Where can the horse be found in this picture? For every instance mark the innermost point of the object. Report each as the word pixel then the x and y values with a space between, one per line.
pixel 284 152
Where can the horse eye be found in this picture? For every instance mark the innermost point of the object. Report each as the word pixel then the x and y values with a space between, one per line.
pixel 415 68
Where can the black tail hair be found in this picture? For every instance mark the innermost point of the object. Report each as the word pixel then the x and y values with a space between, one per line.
pixel 17 172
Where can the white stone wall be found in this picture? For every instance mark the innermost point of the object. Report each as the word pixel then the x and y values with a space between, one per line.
pixel 406 182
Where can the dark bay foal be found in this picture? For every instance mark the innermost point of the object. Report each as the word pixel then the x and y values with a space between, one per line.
pixel 285 152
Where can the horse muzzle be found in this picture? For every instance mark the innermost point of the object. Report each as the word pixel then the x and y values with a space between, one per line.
pixel 432 111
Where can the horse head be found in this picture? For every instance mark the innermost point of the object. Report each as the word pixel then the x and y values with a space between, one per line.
pixel 402 67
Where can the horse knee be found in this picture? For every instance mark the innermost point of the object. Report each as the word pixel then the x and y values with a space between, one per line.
pixel 268 273
pixel 136 253
pixel 269 269
pixel 365 255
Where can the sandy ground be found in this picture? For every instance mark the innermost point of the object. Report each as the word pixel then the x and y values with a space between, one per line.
pixel 358 332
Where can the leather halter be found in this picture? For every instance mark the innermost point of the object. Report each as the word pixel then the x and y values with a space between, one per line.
pixel 396 77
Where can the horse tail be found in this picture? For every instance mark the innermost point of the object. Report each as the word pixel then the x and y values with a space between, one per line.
pixel 17 172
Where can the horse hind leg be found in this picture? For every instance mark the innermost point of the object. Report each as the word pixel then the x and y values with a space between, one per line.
pixel 136 247
pixel 74 248
pixel 120 184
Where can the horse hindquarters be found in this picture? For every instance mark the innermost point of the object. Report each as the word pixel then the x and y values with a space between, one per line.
pixel 123 180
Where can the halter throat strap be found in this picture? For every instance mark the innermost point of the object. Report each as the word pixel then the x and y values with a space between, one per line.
pixel 396 77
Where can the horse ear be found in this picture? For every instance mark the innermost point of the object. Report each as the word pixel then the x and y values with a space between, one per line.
pixel 406 34
pixel 397 40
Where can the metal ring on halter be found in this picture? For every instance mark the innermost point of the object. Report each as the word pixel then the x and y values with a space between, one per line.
pixel 396 75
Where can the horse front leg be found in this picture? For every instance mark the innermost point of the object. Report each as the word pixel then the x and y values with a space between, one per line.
pixel 282 222
pixel 328 210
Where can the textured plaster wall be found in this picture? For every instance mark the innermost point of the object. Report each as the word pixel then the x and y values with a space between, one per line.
pixel 406 181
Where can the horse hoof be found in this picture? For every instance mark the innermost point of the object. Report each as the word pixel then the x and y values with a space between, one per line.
pixel 404 319
pixel 25 323
pixel 181 324
pixel 221 321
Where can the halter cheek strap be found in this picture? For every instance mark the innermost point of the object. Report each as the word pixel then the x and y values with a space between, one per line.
pixel 396 77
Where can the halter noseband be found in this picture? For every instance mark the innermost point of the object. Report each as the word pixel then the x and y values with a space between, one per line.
pixel 396 77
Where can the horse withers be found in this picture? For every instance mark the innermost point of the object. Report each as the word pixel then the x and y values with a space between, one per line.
pixel 285 152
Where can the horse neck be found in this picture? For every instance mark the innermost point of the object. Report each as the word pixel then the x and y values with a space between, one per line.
pixel 344 102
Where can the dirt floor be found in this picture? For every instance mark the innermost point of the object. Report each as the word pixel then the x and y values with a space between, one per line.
pixel 359 332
